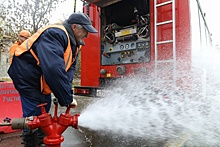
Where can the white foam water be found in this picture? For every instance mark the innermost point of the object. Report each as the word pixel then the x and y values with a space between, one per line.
pixel 141 107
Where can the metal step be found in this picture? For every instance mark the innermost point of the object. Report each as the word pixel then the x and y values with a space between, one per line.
pixel 164 3
pixel 164 22
pixel 166 41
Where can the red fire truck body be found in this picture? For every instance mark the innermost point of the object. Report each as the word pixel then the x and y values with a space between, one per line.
pixel 136 37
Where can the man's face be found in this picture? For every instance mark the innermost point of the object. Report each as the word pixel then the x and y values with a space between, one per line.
pixel 22 38
pixel 79 32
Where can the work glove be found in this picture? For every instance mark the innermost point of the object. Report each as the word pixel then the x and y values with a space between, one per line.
pixel 73 103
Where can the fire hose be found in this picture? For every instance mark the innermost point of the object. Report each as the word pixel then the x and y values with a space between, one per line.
pixel 53 127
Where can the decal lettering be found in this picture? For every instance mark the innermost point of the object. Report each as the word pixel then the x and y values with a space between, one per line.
pixel 11 99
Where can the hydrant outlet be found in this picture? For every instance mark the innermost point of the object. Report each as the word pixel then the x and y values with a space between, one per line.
pixel 19 123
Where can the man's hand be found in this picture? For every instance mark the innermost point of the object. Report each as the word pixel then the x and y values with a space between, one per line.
pixel 74 103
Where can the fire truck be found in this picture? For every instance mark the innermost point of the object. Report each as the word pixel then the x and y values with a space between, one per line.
pixel 140 37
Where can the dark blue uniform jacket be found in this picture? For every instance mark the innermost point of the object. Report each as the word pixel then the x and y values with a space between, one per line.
pixel 25 72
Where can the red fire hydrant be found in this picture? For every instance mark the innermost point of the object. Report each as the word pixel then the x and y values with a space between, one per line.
pixel 52 126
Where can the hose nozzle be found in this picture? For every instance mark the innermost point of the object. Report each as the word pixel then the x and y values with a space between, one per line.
pixel 21 123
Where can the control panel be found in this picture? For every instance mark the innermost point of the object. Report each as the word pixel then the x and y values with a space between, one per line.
pixel 126 52
pixel 125 36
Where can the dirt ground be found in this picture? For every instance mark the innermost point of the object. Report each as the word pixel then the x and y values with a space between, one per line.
pixel 11 139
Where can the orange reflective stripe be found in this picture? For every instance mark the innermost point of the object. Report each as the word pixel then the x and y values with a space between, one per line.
pixel 68 57
pixel 68 60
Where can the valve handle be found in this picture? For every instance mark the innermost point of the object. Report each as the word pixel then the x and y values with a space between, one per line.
pixel 69 107
pixel 41 105
pixel 43 110
pixel 72 106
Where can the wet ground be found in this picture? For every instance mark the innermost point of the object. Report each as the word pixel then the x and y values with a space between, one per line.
pixel 87 138
pixel 84 137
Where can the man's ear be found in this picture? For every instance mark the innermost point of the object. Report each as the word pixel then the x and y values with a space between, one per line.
pixel 73 26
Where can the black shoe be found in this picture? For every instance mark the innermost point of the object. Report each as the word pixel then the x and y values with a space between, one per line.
pixel 40 136
pixel 42 145
pixel 29 138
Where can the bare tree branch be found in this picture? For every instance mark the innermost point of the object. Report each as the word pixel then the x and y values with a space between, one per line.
pixel 29 15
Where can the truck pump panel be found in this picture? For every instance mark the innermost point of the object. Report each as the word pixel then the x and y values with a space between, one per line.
pixel 125 37
pixel 136 37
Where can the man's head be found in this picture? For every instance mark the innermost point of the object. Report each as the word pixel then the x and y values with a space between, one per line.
pixel 81 25
pixel 23 35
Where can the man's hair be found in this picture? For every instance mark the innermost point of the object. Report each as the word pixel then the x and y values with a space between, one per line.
pixel 79 26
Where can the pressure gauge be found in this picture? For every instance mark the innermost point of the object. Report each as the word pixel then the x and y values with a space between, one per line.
pixel 121 47
pixel 127 46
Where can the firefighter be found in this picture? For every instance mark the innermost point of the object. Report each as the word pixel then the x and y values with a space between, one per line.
pixel 45 63
pixel 23 35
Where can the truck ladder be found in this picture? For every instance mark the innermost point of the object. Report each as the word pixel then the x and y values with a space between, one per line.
pixel 173 41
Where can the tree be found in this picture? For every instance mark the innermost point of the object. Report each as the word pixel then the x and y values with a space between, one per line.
pixel 2 17
pixel 30 15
